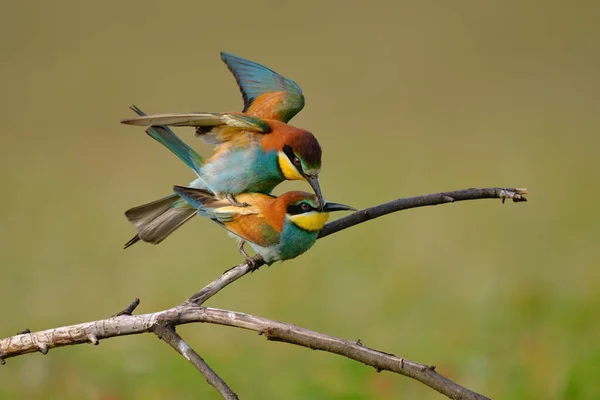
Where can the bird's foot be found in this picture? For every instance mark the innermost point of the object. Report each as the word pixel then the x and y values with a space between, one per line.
pixel 202 130
pixel 234 202
pixel 252 264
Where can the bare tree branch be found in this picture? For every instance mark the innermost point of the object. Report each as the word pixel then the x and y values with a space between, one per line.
pixel 228 277
pixel 233 274
pixel 421 201
pixel 272 330
pixel 124 323
pixel 166 332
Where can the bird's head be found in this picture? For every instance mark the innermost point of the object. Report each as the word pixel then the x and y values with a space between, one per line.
pixel 305 211
pixel 300 159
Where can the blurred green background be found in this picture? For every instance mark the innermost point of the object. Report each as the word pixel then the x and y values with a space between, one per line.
pixel 406 98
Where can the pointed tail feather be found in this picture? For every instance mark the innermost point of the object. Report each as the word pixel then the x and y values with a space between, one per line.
pixel 171 141
pixel 196 197
pixel 132 241
pixel 157 220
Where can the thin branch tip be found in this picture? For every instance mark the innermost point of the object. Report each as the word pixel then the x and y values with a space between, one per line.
pixel 129 309
pixel 517 195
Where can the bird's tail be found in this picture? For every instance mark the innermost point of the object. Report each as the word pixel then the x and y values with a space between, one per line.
pixel 201 200
pixel 196 197
pixel 165 136
pixel 157 220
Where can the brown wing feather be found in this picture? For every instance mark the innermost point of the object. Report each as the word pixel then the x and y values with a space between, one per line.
pixel 254 228
pixel 259 222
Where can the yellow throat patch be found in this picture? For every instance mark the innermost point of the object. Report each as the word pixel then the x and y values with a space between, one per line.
pixel 287 168
pixel 312 221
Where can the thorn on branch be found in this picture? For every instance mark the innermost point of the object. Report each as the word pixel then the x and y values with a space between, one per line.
pixel 427 367
pixel 23 332
pixel 358 342
pixel 266 333
pixel 129 309
pixel 378 369
pixel 43 348
pixel 2 361
pixel 93 339
pixel 273 337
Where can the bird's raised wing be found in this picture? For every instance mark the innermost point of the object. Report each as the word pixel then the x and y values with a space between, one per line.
pixel 215 128
pixel 201 119
pixel 266 94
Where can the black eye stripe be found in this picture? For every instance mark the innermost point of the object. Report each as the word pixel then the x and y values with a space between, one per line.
pixel 287 149
pixel 295 209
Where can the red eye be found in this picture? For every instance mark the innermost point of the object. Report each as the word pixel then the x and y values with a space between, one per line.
pixel 296 161
pixel 305 207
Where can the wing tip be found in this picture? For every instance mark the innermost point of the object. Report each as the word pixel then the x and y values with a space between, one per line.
pixel 130 121
pixel 225 55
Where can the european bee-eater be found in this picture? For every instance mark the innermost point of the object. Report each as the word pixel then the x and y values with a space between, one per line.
pixel 277 228
pixel 256 149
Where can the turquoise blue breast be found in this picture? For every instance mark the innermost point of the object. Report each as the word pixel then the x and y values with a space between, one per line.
pixel 243 170
pixel 295 241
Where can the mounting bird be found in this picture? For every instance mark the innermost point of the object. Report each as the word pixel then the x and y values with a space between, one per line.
pixel 277 228
pixel 256 149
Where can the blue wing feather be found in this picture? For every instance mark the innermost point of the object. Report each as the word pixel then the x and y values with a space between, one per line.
pixel 255 80
pixel 171 141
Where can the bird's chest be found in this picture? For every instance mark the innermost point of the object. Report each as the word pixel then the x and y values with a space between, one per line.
pixel 240 170
pixel 295 241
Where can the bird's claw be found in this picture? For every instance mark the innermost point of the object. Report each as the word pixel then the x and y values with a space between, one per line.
pixel 235 203
pixel 252 264
pixel 250 261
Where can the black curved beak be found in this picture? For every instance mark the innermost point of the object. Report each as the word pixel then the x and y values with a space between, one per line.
pixel 313 181
pixel 337 207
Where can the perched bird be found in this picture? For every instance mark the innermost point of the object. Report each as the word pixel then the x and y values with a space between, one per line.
pixel 256 149
pixel 277 228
